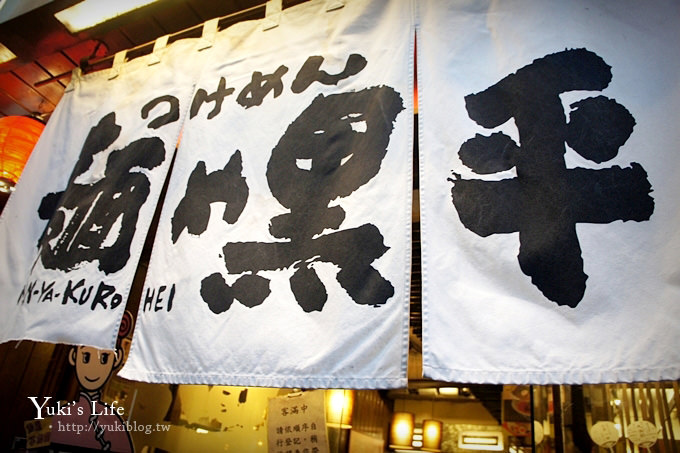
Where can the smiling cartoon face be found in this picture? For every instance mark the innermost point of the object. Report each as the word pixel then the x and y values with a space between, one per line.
pixel 93 366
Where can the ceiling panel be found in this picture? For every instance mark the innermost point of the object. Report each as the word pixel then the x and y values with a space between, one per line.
pixel 142 31
pixel 178 18
pixel 24 94
pixel 31 73
pixel 9 106
pixel 207 9
pixel 85 50
pixel 55 64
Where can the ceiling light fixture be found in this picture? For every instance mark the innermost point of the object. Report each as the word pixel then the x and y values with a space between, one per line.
pixel 448 391
pixel 89 13
pixel 6 54
pixel 481 440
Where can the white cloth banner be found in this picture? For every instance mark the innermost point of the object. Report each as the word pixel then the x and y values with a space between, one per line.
pixel 282 255
pixel 72 232
pixel 549 135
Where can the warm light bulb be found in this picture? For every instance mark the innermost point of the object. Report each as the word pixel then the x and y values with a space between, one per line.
pixel 402 429
pixel 432 430
pixel 339 405
pixel 432 435
pixel 401 435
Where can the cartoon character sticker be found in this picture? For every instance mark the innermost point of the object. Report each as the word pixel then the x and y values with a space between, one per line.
pixel 89 422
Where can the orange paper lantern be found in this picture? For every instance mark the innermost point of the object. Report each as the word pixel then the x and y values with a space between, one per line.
pixel 18 135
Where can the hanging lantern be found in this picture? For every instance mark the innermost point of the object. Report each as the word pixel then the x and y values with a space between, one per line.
pixel 18 136
pixel 401 432
pixel 432 435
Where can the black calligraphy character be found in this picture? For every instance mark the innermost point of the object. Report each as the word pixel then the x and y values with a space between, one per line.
pixel 311 72
pixel 334 147
pixel 227 185
pixel 260 85
pixel 546 200
pixel 217 97
pixel 96 216
pixel 193 213
pixel 170 117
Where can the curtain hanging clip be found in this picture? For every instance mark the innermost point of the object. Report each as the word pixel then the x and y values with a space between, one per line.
pixel 332 5
pixel 209 34
pixel 272 14
pixel 76 75
pixel 158 49
pixel 118 61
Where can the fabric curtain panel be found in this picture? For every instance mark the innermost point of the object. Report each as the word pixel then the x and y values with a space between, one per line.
pixel 549 190
pixel 282 256
pixel 73 231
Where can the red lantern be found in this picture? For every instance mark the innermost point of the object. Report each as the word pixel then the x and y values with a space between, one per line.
pixel 18 135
